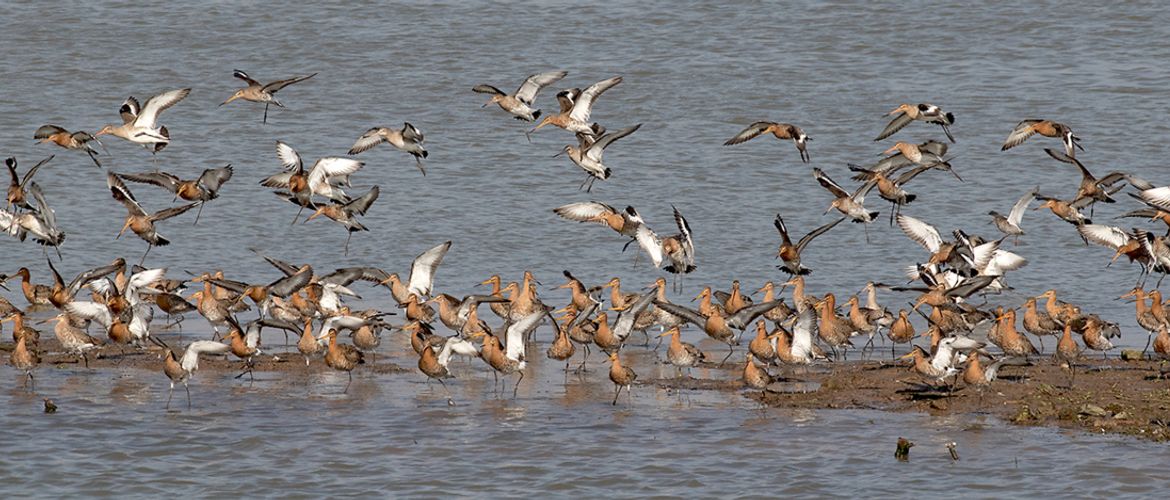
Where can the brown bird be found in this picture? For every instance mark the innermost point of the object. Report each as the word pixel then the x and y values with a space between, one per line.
pixel 790 253
pixel 682 354
pixel 18 186
pixel 755 377
pixel 262 92
pixel 519 104
pixel 433 367
pixel 202 189
pixel 25 360
pixel 782 131
pixel 1046 128
pixel 137 219
pixel 342 357
pixel 68 140
pixel 929 113
pixel 562 347
pixel 1067 353
pixel 621 376
pixel 181 370
pixel 346 213
pixel 308 344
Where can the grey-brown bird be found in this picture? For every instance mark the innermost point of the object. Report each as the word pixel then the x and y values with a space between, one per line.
pixel 262 92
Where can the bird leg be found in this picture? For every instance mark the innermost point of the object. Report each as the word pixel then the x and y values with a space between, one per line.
pixel 517 386
pixel 617 389
pixel 346 390
pixel 730 351
pixel 170 394
pixel 188 389
pixel 143 259
pixel 265 119
pixel 450 402
pixel 349 234
pixel 198 213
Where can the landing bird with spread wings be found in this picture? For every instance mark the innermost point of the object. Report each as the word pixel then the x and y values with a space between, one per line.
pixel 782 131
pixel 790 253
pixel 323 179
pixel 140 122
pixel 929 113
pixel 519 104
pixel 262 92
pixel 69 140
pixel 137 219
pixel 408 139
pixel 202 189
pixel 589 152
pixel 1046 128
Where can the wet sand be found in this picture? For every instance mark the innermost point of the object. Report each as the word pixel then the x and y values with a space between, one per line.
pixel 1106 396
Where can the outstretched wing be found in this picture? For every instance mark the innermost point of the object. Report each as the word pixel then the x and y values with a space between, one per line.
pixel 289 158
pixel 1017 213
pixel 516 332
pixel 922 233
pixel 532 85
pixel 190 361
pixel 213 178
pixel 161 179
pixel 1022 132
pixel 362 203
pixel 487 89
pixel 596 149
pixel 816 232
pixel 271 88
pixel 588 211
pixel 244 76
pixel 583 104
pixel 121 193
pixel 828 183
pixel 368 140
pixel 167 213
pixel 898 123
pixel 148 117
pixel 751 132
pixel 422 270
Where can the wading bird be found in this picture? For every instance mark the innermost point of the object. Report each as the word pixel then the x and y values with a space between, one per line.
pixel 140 123
pixel 782 131
pixel 202 189
pixel 181 370
pixel 929 113
pixel 519 104
pixel 408 139
pixel 69 140
pixel 1046 128
pixel 790 253
pixel 137 219
pixel 576 118
pixel 589 152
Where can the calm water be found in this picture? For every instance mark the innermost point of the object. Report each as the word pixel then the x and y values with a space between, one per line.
pixel 694 76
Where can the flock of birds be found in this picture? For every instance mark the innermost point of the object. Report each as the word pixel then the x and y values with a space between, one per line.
pixel 124 298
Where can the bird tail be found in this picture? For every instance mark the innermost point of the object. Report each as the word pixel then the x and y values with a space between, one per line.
pixel 873 215
pixel 910 198
pixel 536 115
pixel 605 175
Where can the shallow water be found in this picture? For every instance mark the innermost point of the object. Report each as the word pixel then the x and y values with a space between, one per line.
pixel 695 74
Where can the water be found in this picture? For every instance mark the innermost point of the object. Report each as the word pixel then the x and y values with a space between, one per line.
pixel 695 74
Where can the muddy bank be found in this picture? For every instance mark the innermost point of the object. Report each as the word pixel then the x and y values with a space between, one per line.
pixel 1109 396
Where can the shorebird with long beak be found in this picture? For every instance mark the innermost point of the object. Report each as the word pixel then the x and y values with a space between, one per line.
pixel 625 222
pixel 1046 128
pixel 1091 189
pixel 140 122
pixel 852 205
pixel 1066 211
pixel 181 370
pixel 929 113
pixel 202 189
pixel 137 219
pixel 782 131
pixel 422 275
pixel 69 140
pixel 790 253
pixel 322 179
pixel 892 189
pixel 621 376
pixel 41 223
pixel 1010 225
pixel 262 92
pixel 589 152
pixel 346 213
pixel 407 139
pixel 343 357
pixel 715 325
pixel 519 104
pixel 576 118
pixel 678 248
pixel 18 185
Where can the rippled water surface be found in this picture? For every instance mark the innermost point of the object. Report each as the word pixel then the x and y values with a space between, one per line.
pixel 695 74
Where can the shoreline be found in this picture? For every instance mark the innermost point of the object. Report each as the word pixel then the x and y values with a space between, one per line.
pixel 1108 396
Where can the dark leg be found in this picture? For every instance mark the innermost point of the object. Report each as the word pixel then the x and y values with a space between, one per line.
pixel 265 120
pixel 346 390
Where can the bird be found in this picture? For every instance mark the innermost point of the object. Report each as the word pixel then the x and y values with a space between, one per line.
pixel 201 189
pixel 41 222
pixel 181 370
pixel 790 253
pixel 851 205
pixel 755 377
pixel 137 219
pixel 519 104
pixel 50 406
pixel 262 92
pixel 1091 189
pixel 1010 225
pixel 69 140
pixel 678 248
pixel 321 180
pixel 1046 128
pixel 422 275
pixel 342 357
pixel 681 354
pixel 1067 352
pixel 408 139
pixel 782 131
pixel 18 186
pixel 588 154
pixel 624 222
pixel 512 358
pixel 621 376
pixel 576 117
pixel 435 366
pixel 24 360
pixel 717 326
pixel 140 122
pixel 346 213
pixel 929 113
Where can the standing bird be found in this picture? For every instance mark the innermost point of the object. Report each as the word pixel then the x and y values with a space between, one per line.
pixel 790 253
pixel 519 104
pixel 1067 352
pixel 588 154
pixel 1010 225
pixel 682 354
pixel 181 370
pixel 24 360
pixel 68 140
pixel 576 117
pixel 265 93
pixel 929 113
pixel 346 213
pixel 782 131
pixel 18 185
pixel 342 357
pixel 140 123
pixel 202 189
pixel 1046 128
pixel 621 376
pixel 409 139
pixel 137 219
